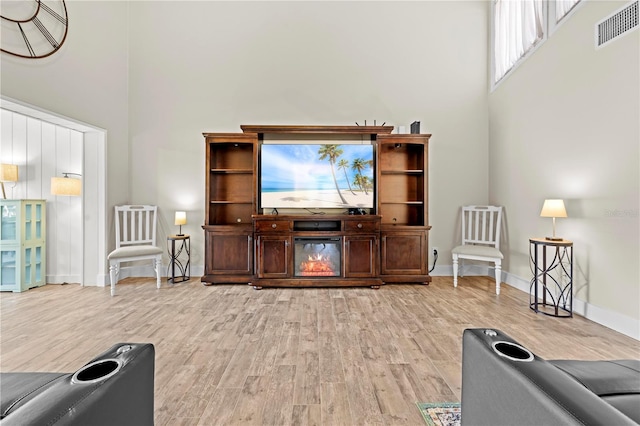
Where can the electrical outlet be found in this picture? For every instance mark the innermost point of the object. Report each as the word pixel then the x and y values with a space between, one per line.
pixel 435 251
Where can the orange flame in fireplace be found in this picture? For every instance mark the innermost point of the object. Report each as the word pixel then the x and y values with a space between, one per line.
pixel 316 265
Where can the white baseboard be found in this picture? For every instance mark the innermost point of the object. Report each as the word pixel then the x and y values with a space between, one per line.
pixel 471 270
pixel 63 279
pixel 610 319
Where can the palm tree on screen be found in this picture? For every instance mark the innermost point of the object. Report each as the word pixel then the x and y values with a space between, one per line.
pixel 363 182
pixel 332 152
pixel 359 165
pixel 344 166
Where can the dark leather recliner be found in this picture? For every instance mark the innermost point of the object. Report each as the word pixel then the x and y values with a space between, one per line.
pixel 115 388
pixel 504 383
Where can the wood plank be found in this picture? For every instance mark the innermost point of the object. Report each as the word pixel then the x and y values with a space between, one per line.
pixel 360 390
pixel 335 406
pixel 330 359
pixel 221 407
pixel 278 407
pixel 251 402
pixel 306 415
pixel 395 410
pixel 238 368
pixel 288 345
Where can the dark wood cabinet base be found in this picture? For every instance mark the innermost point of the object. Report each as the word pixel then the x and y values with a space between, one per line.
pixel 317 283
pixel 228 279
pixel 405 279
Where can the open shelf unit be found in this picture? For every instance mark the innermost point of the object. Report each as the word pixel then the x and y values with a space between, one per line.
pixel 402 180
pixel 404 207
pixel 231 178
pixel 230 202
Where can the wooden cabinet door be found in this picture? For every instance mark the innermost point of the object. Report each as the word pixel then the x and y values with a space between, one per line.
pixel 273 257
pixel 228 254
pixel 404 253
pixel 360 256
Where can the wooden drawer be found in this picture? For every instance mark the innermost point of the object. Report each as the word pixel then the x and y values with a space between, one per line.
pixel 272 225
pixel 361 226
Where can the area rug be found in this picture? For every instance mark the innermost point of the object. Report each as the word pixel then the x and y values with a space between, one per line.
pixel 440 413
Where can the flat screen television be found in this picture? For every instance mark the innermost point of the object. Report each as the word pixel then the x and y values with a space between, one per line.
pixel 314 176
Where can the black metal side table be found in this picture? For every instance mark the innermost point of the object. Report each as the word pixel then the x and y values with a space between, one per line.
pixel 554 278
pixel 184 269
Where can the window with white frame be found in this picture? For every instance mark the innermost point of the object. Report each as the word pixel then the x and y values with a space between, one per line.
pixel 521 25
pixel 562 7
pixel 518 26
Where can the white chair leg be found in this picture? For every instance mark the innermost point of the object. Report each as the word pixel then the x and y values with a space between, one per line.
pixel 455 270
pixel 157 265
pixel 113 276
pixel 498 275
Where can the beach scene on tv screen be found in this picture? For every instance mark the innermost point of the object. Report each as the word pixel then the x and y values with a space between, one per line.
pixel 316 176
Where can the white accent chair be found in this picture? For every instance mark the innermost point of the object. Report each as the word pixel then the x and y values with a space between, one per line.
pixel 480 239
pixel 135 240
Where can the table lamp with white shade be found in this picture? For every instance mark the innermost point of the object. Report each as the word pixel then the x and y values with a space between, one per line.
pixel 180 219
pixel 553 208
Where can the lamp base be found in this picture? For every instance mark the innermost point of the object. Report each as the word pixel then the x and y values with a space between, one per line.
pixel 553 238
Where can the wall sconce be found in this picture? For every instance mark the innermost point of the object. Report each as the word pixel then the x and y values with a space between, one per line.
pixel 66 185
pixel 553 208
pixel 180 219
pixel 8 173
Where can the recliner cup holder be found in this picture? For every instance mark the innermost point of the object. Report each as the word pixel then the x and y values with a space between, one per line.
pixel 512 351
pixel 97 371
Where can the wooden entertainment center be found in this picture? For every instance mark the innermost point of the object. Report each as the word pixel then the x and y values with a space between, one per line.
pixel 247 244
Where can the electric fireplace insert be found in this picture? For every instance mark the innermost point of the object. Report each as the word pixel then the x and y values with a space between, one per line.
pixel 317 256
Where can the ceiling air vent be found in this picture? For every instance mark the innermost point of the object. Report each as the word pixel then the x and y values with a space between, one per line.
pixel 617 24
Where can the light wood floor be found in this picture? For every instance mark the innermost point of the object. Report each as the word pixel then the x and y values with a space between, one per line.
pixel 234 355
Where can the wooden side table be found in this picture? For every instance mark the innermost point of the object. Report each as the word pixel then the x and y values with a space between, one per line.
pixel 555 277
pixel 184 269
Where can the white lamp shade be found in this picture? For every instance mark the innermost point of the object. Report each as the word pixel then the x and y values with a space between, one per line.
pixel 8 173
pixel 66 186
pixel 553 208
pixel 181 218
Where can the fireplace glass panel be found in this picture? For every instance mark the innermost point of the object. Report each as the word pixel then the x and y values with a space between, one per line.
pixel 317 257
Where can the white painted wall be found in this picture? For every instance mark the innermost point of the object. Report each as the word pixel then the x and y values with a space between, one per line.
pixel 224 64
pixel 566 125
